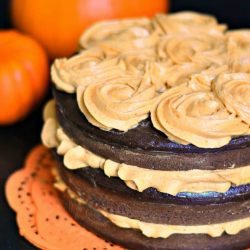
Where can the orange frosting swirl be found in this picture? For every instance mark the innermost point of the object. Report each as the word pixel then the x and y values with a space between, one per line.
pixel 67 74
pixel 203 80
pixel 189 54
pixel 192 48
pixel 113 37
pixel 196 117
pixel 239 50
pixel 178 74
pixel 190 22
pixel 178 66
pixel 234 91
pixel 120 103
pixel 138 58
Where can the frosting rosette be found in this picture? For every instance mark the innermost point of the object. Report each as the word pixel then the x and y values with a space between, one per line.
pixel 197 117
pixel 234 91
pixel 190 22
pixel 189 54
pixel 204 79
pixel 113 37
pixel 126 66
pixel 68 73
pixel 85 69
pixel 239 50
pixel 138 58
pixel 146 61
pixel 201 49
pixel 171 75
pixel 120 103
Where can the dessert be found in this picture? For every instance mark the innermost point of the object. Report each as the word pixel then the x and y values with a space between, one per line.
pixel 40 216
pixel 150 127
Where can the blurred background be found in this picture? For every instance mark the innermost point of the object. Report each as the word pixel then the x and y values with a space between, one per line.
pixel 233 12
pixel 18 138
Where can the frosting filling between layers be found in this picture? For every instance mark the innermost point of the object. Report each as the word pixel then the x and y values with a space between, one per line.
pixel 161 230
pixel 144 146
pixel 171 182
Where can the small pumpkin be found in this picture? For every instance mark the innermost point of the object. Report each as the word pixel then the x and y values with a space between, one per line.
pixel 58 24
pixel 24 72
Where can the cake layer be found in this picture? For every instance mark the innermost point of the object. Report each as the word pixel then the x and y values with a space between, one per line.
pixel 144 146
pixel 133 239
pixel 171 182
pixel 159 230
pixel 111 195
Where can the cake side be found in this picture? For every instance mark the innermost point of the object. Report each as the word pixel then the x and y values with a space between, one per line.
pixel 150 123
pixel 113 196
pixel 170 179
pixel 133 239
pixel 160 235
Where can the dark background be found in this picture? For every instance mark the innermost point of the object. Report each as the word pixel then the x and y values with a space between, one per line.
pixel 17 140
pixel 234 12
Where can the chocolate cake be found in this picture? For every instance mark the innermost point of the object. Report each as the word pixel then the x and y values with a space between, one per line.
pixel 150 127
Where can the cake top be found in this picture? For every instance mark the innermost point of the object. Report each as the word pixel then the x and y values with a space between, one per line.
pixel 184 70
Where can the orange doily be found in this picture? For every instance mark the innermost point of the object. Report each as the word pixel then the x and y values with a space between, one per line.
pixel 41 218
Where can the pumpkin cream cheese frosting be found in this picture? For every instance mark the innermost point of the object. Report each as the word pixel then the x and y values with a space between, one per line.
pixel 155 114
pixel 172 182
pixel 159 230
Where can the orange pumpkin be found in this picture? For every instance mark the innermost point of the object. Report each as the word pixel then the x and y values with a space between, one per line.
pixel 58 24
pixel 23 75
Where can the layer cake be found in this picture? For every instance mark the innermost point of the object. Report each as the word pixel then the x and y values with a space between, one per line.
pixel 150 128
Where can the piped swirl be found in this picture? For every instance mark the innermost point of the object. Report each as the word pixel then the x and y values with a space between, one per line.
pixel 120 103
pixel 184 69
pixel 198 117
pixel 234 91
pixel 190 22
pixel 113 37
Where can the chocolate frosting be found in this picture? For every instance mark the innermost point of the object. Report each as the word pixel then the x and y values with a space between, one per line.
pixel 144 146
pixel 113 196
